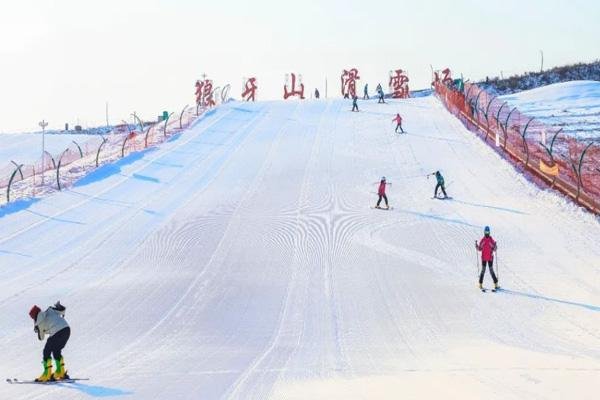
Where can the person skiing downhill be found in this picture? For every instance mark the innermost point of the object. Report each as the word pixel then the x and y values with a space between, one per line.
pixel 440 184
pixel 52 322
pixel 354 104
pixel 398 121
pixel 380 94
pixel 381 192
pixel 487 245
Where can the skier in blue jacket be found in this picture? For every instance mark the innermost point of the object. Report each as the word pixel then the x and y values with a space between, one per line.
pixel 440 184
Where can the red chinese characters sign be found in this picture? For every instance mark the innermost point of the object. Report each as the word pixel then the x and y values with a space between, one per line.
pixel 204 93
pixel 446 78
pixel 249 92
pixel 349 78
pixel 292 90
pixel 399 84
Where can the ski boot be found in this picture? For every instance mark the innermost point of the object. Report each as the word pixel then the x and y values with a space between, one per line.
pixel 496 286
pixel 61 372
pixel 47 374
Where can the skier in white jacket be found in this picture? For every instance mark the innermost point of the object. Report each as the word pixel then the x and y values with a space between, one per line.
pixel 53 323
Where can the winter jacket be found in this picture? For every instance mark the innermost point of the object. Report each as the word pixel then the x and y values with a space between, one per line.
pixel 398 119
pixel 381 190
pixel 487 246
pixel 439 177
pixel 49 322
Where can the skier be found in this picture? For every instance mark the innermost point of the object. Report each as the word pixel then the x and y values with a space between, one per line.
pixel 440 184
pixel 317 94
pixel 366 92
pixel 354 104
pixel 52 322
pixel 398 121
pixel 380 93
pixel 381 193
pixel 487 245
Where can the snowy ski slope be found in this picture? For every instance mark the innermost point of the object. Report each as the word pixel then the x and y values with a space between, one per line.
pixel 242 260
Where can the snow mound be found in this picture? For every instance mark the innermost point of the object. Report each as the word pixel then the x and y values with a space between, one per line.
pixel 573 106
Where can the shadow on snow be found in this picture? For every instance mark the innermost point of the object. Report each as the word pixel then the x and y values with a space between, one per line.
pixel 438 218
pixel 511 210
pixel 17 205
pixel 98 391
pixel 110 169
pixel 553 300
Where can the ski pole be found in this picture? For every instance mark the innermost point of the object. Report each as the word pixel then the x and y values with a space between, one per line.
pixel 476 259
pixel 497 266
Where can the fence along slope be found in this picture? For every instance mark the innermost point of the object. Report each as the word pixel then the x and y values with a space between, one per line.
pixel 554 159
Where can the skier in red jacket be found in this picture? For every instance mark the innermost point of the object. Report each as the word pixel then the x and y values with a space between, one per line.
pixel 398 121
pixel 381 192
pixel 487 245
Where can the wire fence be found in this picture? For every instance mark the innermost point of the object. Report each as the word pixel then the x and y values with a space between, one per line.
pixel 553 158
pixel 54 172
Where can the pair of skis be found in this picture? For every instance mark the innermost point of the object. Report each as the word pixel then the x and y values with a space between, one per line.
pixel 484 290
pixel 442 198
pixel 383 208
pixel 70 380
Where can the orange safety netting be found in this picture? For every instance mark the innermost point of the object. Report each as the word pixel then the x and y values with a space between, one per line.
pixel 554 159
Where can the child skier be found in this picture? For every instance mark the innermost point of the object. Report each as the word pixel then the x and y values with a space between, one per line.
pixel 52 322
pixel 398 121
pixel 381 193
pixel 440 184
pixel 487 245
pixel 354 104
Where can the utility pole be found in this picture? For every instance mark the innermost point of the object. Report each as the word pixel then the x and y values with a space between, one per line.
pixel 43 124
pixel 107 114
pixel 542 67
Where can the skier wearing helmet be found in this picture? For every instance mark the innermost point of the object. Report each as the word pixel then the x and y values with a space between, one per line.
pixel 381 192
pixel 487 245
pixel 52 322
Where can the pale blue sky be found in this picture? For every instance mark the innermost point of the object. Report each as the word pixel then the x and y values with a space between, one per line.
pixel 63 59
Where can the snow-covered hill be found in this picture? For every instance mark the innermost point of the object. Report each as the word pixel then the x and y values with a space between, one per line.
pixel 26 148
pixel 573 106
pixel 242 260
pixel 531 80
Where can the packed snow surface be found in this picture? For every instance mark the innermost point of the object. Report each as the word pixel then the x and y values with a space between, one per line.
pixel 573 106
pixel 243 260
